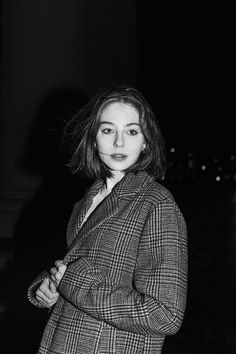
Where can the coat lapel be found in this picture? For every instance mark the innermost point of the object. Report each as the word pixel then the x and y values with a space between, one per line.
pixel 79 213
pixel 104 211
pixel 86 203
pixel 125 189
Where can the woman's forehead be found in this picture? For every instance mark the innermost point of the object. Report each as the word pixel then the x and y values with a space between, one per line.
pixel 119 110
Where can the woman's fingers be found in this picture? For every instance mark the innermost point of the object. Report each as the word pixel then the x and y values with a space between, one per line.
pixel 61 267
pixel 55 275
pixel 45 295
pixel 53 270
pixel 58 271
pixel 58 263
pixel 45 301
pixel 53 285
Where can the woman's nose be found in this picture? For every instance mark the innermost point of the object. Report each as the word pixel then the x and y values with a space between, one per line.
pixel 119 140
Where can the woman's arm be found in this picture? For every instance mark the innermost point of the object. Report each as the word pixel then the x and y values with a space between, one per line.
pixel 156 302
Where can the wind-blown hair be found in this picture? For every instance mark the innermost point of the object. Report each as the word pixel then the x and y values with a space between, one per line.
pixel 82 130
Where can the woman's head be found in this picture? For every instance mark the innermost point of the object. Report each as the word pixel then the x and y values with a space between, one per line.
pixel 121 120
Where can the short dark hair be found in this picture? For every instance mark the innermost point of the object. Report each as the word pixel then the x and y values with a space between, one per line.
pixel 82 130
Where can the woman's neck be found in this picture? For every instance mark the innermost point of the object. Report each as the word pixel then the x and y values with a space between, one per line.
pixel 116 177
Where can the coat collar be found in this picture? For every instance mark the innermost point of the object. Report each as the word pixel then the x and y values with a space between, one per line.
pixel 125 189
pixel 131 184
pixel 128 186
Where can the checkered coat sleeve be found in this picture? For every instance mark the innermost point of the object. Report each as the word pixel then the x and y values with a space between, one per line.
pixel 126 271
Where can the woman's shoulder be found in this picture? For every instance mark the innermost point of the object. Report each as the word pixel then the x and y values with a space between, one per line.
pixel 156 192
pixel 156 196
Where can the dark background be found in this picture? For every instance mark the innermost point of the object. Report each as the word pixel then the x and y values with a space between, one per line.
pixel 55 56
pixel 185 66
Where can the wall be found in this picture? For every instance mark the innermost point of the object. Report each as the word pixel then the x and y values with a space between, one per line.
pixel 55 55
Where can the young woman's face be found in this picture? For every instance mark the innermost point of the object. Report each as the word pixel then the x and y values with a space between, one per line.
pixel 119 139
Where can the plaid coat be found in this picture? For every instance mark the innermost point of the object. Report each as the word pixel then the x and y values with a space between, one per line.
pixel 124 289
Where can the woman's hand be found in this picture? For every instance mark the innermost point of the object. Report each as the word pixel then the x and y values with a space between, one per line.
pixel 46 293
pixel 57 272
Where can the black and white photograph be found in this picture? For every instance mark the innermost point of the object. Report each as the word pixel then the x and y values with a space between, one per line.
pixel 117 177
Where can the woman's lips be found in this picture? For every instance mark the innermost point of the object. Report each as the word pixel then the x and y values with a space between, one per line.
pixel 118 157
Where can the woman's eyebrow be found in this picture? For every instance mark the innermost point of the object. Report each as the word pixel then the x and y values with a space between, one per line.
pixel 133 124
pixel 127 125
pixel 105 122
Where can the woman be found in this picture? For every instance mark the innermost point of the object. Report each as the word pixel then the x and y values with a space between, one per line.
pixel 121 287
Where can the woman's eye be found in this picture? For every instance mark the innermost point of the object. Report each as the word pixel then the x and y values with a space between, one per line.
pixel 107 131
pixel 132 132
